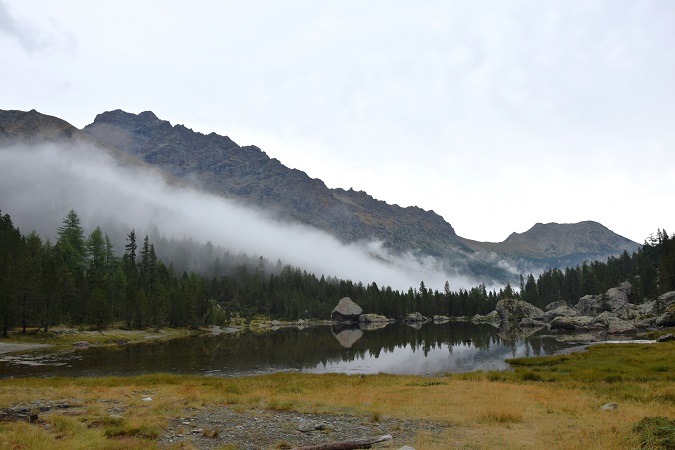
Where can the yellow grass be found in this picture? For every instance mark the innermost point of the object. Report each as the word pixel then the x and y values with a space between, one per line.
pixel 478 413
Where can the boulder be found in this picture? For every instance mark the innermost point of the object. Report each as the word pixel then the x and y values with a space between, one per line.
pixel 618 326
pixel 588 305
pixel 666 319
pixel 572 323
pixel 666 338
pixel 441 319
pixel 346 311
pixel 555 305
pixel 613 300
pixel 666 300
pixel 415 318
pixel 560 311
pixel 374 318
pixel 510 309
pixel 643 324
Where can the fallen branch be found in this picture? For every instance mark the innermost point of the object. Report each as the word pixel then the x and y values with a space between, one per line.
pixel 348 445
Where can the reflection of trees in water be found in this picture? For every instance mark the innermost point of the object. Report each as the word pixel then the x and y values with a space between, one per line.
pixel 285 349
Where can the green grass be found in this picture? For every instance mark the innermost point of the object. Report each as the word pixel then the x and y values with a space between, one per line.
pixel 656 433
pixel 603 363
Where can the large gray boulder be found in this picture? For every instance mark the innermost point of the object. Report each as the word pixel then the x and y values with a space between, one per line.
pixel 346 311
pixel 666 319
pixel 554 305
pixel 613 324
pixel 561 311
pixel 572 323
pixel 666 300
pixel 615 299
pixel 510 309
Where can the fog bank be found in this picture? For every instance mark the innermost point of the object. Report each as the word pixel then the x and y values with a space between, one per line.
pixel 40 183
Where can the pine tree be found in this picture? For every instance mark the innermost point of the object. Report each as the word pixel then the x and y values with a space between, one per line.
pixel 72 244
pixel 10 248
pixel 131 247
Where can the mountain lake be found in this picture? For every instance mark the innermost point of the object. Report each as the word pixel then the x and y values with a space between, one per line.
pixel 397 348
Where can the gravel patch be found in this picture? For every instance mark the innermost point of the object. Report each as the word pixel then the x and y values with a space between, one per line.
pixel 252 429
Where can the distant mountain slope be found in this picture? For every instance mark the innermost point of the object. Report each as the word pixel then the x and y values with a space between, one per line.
pixel 249 175
pixel 560 245
pixel 246 174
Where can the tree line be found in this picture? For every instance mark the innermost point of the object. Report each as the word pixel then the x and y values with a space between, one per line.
pixel 81 280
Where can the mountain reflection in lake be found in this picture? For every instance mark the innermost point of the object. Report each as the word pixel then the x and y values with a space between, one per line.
pixel 396 349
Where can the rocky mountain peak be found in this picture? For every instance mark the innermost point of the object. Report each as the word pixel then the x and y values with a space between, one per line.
pixel 31 124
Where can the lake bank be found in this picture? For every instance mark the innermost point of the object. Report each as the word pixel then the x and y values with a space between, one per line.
pixel 547 402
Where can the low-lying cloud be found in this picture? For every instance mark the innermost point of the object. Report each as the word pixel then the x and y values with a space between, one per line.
pixel 40 183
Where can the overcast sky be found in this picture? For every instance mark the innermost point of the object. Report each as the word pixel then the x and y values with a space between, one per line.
pixel 494 114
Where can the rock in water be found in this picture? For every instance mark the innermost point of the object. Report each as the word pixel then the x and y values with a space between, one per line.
pixel 373 318
pixel 346 311
pixel 415 317
pixel 510 309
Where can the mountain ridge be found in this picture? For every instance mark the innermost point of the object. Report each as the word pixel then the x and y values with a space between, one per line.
pixel 249 176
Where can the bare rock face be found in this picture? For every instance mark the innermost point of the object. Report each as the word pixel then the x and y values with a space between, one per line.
pixel 346 311
pixel 510 309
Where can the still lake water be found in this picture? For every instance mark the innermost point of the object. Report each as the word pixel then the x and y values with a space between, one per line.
pixel 396 349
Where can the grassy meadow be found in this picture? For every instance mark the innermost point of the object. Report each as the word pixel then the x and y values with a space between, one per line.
pixel 545 402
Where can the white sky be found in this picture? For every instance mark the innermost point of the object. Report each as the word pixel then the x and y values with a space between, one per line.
pixel 495 114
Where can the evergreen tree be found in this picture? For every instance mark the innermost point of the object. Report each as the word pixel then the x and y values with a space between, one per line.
pixel 72 244
pixel 10 251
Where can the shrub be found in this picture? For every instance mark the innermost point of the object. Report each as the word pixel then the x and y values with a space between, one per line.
pixel 531 376
pixel 656 432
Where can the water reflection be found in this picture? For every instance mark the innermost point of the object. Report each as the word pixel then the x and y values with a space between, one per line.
pixel 397 349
